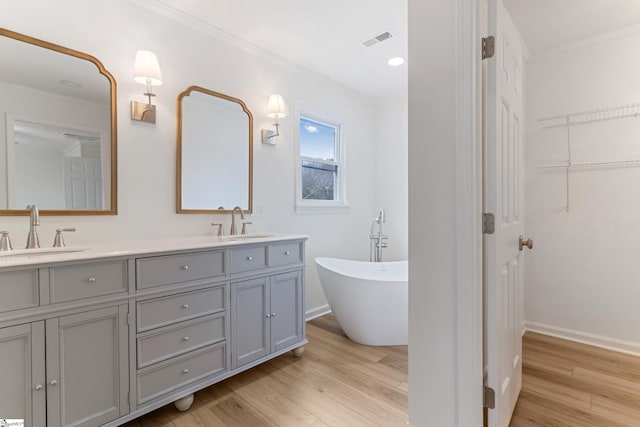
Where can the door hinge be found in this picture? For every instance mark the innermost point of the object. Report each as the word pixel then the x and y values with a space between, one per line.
pixel 128 318
pixel 129 398
pixel 488 47
pixel 488 223
pixel 489 398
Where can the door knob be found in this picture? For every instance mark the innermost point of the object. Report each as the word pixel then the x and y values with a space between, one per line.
pixel 522 243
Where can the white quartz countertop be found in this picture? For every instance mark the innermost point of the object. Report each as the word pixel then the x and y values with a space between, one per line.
pixel 124 248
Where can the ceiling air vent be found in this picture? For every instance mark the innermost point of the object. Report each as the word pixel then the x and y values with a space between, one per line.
pixel 81 137
pixel 377 39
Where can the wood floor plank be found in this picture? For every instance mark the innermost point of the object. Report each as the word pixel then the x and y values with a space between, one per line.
pixel 559 392
pixel 237 412
pixel 616 411
pixel 549 412
pixel 253 387
pixel 573 384
pixel 376 411
pixel 315 401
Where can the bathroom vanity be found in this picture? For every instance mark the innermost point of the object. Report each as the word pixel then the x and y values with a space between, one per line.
pixel 100 336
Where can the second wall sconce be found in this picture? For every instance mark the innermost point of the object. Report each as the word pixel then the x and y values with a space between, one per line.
pixel 146 72
pixel 276 109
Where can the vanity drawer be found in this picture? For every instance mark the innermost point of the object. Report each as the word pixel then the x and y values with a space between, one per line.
pixel 171 375
pixel 248 258
pixel 19 289
pixel 73 282
pixel 169 269
pixel 179 339
pixel 285 253
pixel 163 311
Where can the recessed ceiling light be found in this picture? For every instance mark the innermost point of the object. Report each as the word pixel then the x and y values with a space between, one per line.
pixel 394 62
pixel 70 83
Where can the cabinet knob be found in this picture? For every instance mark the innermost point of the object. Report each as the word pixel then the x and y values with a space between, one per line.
pixel 273 315
pixel 53 383
pixel 38 387
pixel 268 316
pixel 249 258
pixel 91 279
pixel 185 267
pixel 186 338
pixel 185 371
pixel 185 306
pixel 287 252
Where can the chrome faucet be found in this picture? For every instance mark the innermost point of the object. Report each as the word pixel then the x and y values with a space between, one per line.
pixel 32 239
pixel 234 230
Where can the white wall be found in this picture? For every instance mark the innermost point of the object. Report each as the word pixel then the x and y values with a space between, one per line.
pixel 581 279
pixel 113 31
pixel 391 189
pixel 432 219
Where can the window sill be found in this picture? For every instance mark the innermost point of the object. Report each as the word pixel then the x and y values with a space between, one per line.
pixel 322 208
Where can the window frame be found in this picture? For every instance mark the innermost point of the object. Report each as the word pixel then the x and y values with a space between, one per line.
pixel 313 205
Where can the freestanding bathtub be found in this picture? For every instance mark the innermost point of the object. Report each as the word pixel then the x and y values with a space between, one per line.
pixel 369 299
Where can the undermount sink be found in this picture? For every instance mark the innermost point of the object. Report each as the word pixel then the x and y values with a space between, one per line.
pixel 237 237
pixel 39 252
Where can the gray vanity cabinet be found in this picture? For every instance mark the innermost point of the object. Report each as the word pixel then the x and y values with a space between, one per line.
pixel 84 380
pixel 22 374
pixel 87 370
pixel 266 316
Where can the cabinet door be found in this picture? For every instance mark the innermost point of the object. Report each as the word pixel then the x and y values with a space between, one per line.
pixel 286 310
pixel 22 394
pixel 249 323
pixel 87 367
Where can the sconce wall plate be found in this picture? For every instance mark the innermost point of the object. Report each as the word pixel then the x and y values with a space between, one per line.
pixel 268 137
pixel 143 112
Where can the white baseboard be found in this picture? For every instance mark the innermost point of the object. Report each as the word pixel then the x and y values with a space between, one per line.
pixel 317 312
pixel 628 347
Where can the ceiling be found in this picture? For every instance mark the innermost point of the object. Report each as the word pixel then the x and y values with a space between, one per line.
pixel 549 24
pixel 323 35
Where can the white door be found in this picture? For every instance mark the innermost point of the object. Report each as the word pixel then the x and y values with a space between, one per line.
pixel 503 196
pixel 83 183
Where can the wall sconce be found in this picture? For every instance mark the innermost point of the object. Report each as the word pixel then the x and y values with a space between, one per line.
pixel 276 109
pixel 146 72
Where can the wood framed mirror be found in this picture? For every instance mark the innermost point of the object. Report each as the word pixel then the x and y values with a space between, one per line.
pixel 214 153
pixel 58 146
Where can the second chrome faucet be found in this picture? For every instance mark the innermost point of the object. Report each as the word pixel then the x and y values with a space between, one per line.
pixel 34 220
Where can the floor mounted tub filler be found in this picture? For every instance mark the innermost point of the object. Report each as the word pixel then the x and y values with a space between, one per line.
pixel 369 299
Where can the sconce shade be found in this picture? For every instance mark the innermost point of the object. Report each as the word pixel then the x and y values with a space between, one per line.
pixel 276 107
pixel 146 69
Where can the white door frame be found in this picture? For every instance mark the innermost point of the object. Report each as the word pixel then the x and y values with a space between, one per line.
pixel 469 303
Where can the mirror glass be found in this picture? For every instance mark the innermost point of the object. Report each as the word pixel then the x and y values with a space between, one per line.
pixel 57 131
pixel 215 134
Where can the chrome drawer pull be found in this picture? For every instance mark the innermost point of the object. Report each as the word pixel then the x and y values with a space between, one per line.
pixel 53 383
pixel 185 267
pixel 185 371
pixel 38 387
pixel 249 258
pixel 185 306
pixel 287 253
pixel 91 279
pixel 186 338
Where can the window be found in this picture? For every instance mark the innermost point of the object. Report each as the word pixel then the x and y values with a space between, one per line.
pixel 320 167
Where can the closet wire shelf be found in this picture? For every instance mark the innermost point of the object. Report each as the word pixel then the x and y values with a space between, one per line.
pixel 608 113
pixel 593 166
pixel 581 117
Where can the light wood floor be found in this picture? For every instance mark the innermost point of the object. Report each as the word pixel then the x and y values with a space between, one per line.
pixel 339 383
pixel 335 383
pixel 571 384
